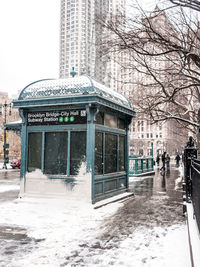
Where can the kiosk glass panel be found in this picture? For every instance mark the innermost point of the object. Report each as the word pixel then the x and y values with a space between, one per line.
pixel 34 151
pixel 98 153
pixel 56 153
pixel 121 124
pixel 77 151
pixel 100 118
pixel 110 121
pixel 110 153
pixel 121 153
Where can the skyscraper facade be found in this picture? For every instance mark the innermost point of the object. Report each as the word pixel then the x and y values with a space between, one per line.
pixel 81 37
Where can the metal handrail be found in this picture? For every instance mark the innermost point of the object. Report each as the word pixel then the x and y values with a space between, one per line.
pixel 141 165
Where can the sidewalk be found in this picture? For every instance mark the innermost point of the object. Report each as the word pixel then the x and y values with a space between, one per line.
pixel 146 230
pixel 193 236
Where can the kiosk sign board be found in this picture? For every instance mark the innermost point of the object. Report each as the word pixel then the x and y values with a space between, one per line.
pixel 60 117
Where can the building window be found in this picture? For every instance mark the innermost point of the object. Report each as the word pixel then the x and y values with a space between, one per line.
pixel 138 126
pixel 142 126
pixel 133 126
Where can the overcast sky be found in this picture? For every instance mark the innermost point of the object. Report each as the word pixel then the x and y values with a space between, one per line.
pixel 29 46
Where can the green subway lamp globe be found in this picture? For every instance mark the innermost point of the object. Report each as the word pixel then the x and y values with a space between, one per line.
pixel 66 119
pixel 60 119
pixel 72 118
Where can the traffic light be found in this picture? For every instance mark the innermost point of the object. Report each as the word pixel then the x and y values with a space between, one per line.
pixel 7 134
pixel 2 138
pixel 6 153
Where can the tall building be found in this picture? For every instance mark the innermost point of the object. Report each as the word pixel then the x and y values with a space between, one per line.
pixel 81 37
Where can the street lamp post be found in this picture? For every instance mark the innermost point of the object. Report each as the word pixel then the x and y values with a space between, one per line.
pixel 5 145
pixel 152 148
pixel 152 161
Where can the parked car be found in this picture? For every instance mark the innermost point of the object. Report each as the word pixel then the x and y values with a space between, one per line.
pixel 15 163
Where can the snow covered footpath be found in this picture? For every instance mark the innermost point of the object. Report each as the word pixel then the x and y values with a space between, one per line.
pixel 72 237
pixel 8 187
pixel 7 184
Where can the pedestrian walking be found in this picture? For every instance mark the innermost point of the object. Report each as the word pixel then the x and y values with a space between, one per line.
pixel 163 158
pixel 177 160
pixel 158 159
pixel 167 161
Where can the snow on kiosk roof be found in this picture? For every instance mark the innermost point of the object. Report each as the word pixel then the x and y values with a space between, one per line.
pixel 74 139
pixel 70 89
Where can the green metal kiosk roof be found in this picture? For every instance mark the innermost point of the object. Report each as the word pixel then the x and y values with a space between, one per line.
pixel 80 89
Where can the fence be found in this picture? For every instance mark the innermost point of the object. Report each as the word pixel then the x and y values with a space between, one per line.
pixel 140 165
pixel 192 180
pixel 195 173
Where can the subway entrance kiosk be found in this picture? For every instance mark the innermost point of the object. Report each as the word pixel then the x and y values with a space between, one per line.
pixel 74 139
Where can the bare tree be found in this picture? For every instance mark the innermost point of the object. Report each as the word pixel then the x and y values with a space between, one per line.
pixel 164 48
pixel 193 4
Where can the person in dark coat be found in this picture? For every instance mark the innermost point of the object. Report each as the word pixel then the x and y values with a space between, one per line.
pixel 167 160
pixel 163 158
pixel 177 158
pixel 158 160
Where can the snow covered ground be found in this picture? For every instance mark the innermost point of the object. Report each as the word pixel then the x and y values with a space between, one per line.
pixel 73 233
pixel 8 187
pixel 72 237
pixel 7 184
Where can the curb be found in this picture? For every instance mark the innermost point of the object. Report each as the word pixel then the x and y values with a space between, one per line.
pixel 103 203
pixel 193 236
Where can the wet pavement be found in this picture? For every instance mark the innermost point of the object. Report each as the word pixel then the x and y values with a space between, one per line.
pixel 9 184
pixel 157 203
pixel 166 183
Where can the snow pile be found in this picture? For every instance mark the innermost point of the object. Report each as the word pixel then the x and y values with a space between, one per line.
pixel 38 184
pixel 82 189
pixel 36 174
pixel 178 183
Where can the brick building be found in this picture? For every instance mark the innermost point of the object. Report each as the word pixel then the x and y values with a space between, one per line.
pixel 13 139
